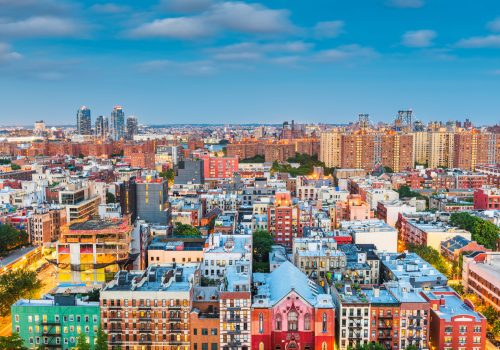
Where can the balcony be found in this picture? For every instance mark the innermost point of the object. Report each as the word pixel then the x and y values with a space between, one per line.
pixel 50 323
pixel 233 319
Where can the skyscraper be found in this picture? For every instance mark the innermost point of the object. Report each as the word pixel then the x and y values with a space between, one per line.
pixel 83 121
pixel 101 127
pixel 117 123
pixel 132 127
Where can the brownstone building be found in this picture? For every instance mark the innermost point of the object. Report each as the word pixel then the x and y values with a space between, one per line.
pixel 204 319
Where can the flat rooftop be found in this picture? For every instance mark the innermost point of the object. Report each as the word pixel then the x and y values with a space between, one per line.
pixel 453 306
pixel 155 278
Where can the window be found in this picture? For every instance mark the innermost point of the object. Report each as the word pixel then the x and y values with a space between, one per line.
pixel 278 322
pixel 307 322
pixel 204 331
pixel 261 346
pixel 324 346
pixel 293 320
pixel 204 346
pixel 324 322
pixel 213 331
pixel 261 325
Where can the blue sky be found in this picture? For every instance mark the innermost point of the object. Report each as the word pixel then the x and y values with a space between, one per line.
pixel 202 61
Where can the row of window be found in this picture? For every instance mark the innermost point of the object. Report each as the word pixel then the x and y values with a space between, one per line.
pixel 57 318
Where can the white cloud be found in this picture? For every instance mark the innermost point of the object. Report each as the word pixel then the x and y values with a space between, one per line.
pixel 419 38
pixel 347 52
pixel 330 29
pixel 194 68
pixel 185 6
pixel 406 3
pixel 7 55
pixel 40 26
pixel 176 28
pixel 109 8
pixel 225 16
pixel 489 41
pixel 252 51
pixel 494 25
pixel 250 18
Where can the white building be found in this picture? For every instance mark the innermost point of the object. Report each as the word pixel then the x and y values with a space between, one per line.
pixel 373 231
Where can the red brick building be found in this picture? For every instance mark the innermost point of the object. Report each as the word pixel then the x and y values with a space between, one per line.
pixel 453 323
pixel 219 167
pixel 280 219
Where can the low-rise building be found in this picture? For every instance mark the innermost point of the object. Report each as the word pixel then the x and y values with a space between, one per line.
pixel 55 322
pixel 481 276
pixel 453 323
pixel 373 231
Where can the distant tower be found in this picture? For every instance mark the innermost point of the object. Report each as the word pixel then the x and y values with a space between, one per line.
pixel 132 127
pixel 117 124
pixel 364 121
pixel 404 121
pixel 39 127
pixel 83 121
pixel 101 127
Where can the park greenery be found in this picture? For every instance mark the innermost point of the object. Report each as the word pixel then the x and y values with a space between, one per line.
pixel 15 285
pixel 184 230
pixel 482 231
pixel 4 161
pixel 259 158
pixel 492 316
pixel 307 163
pixel 262 243
pixel 11 239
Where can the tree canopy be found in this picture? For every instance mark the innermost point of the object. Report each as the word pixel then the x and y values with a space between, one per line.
pixel 10 238
pixel 101 340
pixel 15 285
pixel 482 231
pixel 259 158
pixel 81 342
pixel 262 242
pixel 12 342
pixel 307 163
pixel 185 230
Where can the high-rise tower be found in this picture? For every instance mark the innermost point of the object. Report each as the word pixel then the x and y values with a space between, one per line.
pixel 117 123
pixel 83 121
pixel 132 127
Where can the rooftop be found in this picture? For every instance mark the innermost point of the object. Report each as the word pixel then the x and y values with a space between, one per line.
pixel 172 278
pixel 453 306
pixel 285 279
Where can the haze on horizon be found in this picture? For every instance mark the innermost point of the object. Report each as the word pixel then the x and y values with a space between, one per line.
pixel 223 61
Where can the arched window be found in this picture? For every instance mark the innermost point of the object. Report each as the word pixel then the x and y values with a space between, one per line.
pixel 261 326
pixel 324 322
pixel 307 322
pixel 278 322
pixel 261 346
pixel 324 346
pixel 293 320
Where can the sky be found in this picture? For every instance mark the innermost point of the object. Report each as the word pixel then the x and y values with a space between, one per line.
pixel 231 61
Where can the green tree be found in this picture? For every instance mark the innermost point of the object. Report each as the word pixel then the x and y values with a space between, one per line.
pixel 12 342
pixel 94 294
pixel 185 230
pixel 110 197
pixel 101 340
pixel 262 242
pixel 81 342
pixel 490 313
pixel 495 328
pixel 15 285
pixel 14 166
pixel 10 238
pixel 168 175
pixel 432 256
pixel 482 231
pixel 412 347
pixel 259 158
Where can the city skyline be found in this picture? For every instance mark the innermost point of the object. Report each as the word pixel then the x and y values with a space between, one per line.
pixel 246 62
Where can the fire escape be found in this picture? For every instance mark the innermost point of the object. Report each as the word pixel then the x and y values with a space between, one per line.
pixel 51 331
pixel 385 325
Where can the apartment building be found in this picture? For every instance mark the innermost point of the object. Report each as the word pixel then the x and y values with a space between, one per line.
pixel 55 323
pixel 149 308
pixel 481 276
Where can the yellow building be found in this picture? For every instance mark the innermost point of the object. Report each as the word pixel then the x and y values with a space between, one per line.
pixel 330 148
